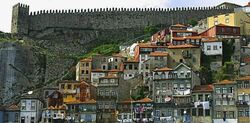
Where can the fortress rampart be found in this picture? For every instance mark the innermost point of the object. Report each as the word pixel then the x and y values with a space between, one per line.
pixel 24 22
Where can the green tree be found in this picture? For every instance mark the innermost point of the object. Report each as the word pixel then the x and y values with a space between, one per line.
pixel 193 21
pixel 226 72
pixel 150 30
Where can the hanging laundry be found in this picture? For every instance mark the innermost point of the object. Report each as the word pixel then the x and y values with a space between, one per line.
pixel 196 104
pixel 205 105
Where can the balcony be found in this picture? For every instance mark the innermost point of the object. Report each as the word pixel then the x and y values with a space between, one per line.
pixel 242 103
pixel 100 97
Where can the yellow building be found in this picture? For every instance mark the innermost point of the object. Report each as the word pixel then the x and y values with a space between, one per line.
pixel 240 18
pixel 83 70
pixel 68 89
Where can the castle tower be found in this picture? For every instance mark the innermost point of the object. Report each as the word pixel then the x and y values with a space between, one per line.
pixel 20 18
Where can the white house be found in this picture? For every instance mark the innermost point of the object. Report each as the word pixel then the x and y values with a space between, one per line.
pixel 211 46
pixel 30 110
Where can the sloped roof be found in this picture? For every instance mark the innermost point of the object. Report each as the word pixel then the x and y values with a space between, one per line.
pixel 145 100
pixel 182 46
pixel 158 54
pixel 164 69
pixel 203 88
pixel 224 82
pixel 92 101
pixel 180 25
pixel 13 107
pixel 244 78
pixel 86 60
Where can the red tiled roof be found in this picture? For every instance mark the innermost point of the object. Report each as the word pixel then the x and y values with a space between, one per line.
pixel 183 31
pixel 244 78
pixel 92 101
pixel 13 107
pixel 164 69
pixel 246 60
pixel 148 45
pixel 224 82
pixel 182 46
pixel 210 39
pixel 158 54
pixel 145 100
pixel 57 107
pixel 203 88
pixel 86 60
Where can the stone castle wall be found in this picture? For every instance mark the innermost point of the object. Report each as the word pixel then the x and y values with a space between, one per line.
pixel 109 18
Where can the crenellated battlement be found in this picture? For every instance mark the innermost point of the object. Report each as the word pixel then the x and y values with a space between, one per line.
pixel 20 5
pixel 27 22
pixel 97 10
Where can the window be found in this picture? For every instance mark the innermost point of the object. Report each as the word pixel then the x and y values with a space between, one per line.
pixel 175 86
pixel 147 66
pixel 217 102
pixel 207 112
pixel 33 103
pixel 208 47
pixel 181 60
pixel 200 112
pixel 222 30
pixel 116 60
pixel 116 67
pixel 101 92
pixel 231 90
pixel 215 47
pixel 224 102
pixel 82 71
pixel 231 114
pixel 113 93
pixel 234 30
pixel 207 96
pixel 62 86
pixel 246 84
pixel 241 113
pixel 130 67
pixel 224 90
pixel 23 105
pixel 112 81
pixel 69 86
pixel 135 67
pixel 188 86
pixel 16 117
pixel 218 90
pixel 87 64
pixel 87 72
pixel 107 92
pixel 32 120
pixel 6 115
pixel 247 112
pixel 194 112
pixel 200 97
pixel 181 86
pixel 104 67
pixel 218 114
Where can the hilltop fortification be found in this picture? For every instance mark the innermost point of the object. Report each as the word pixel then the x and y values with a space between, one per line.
pixel 26 22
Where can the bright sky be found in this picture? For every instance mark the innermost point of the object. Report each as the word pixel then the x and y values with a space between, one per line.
pixel 6 5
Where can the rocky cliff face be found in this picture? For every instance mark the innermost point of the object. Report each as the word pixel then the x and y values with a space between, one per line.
pixel 20 69
pixel 46 57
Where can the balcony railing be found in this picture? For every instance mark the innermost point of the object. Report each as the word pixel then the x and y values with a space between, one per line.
pixel 242 103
